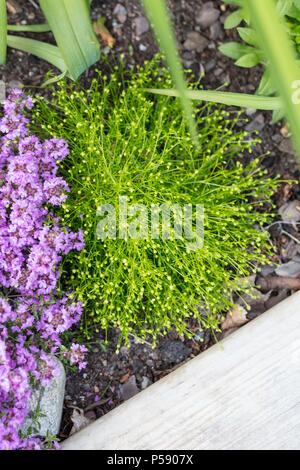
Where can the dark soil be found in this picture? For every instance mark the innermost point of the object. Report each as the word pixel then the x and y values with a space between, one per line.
pixel 109 378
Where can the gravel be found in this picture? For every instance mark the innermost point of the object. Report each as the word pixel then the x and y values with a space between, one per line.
pixel 174 352
pixel 195 42
pixel 207 15
pixel 141 25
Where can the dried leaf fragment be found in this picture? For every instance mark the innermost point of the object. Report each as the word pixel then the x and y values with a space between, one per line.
pixel 234 318
pixel 124 378
pixel 103 32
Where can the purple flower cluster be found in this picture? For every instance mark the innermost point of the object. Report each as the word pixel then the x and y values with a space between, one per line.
pixel 32 243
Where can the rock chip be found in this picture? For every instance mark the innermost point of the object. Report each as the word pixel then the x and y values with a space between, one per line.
pixel 290 269
pixel 145 382
pixel 195 42
pixel 207 15
pixel 174 352
pixel 267 270
pixel 257 124
pixel 216 31
pixel 120 12
pixel 129 388
pixel 141 25
pixel 50 399
pixel 286 146
pixel 137 365
pixel 290 211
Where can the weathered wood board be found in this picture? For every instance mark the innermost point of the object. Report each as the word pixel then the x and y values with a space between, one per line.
pixel 243 396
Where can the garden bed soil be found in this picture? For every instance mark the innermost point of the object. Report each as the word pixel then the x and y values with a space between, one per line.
pixel 109 378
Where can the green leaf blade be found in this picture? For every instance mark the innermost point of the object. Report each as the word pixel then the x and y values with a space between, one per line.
pixel 228 98
pixel 32 28
pixel 3 32
pixel 73 33
pixel 235 50
pixel 248 35
pixel 158 15
pixel 41 49
pixel 248 60
pixel 233 20
pixel 275 43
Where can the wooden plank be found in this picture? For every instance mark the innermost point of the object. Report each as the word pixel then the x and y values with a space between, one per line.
pixel 245 396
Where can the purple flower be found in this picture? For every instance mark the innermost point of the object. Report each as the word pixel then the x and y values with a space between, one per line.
pixel 76 355
pixel 55 189
pixel 32 243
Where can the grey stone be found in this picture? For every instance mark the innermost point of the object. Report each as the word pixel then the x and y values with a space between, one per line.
pixel 195 42
pixel 286 146
pixel 120 12
pixel 266 270
pixel 125 350
pixel 106 50
pixel 210 65
pixel 174 352
pixel 141 25
pixel 199 336
pixel 187 64
pixel 15 84
pixel 290 211
pixel 290 269
pixel 276 138
pixel 129 388
pixel 145 382
pixel 216 31
pixel 218 71
pixel 137 365
pixel 257 124
pixel 250 111
pixel 207 15
pixel 50 399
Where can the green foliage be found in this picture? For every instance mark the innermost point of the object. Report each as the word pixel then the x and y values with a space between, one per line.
pixel 3 32
pixel 158 14
pixel 77 45
pixel 250 55
pixel 125 142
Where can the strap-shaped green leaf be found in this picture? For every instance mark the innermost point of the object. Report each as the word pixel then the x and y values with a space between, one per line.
pixel 41 49
pixel 3 32
pixel 73 32
pixel 158 14
pixel 231 99
pixel 275 43
pixel 32 28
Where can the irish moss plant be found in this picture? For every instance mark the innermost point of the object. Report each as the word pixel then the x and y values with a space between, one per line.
pixel 125 142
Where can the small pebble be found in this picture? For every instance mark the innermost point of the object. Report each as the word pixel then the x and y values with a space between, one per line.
pixel 129 388
pixel 195 42
pixel 141 25
pixel 257 124
pixel 207 15
pixel 145 382
pixel 120 12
